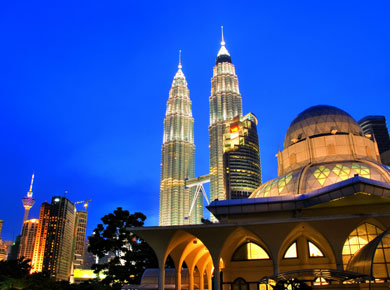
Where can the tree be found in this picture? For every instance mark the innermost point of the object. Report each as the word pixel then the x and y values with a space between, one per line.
pixel 126 256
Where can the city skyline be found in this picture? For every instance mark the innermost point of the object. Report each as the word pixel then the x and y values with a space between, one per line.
pixel 76 88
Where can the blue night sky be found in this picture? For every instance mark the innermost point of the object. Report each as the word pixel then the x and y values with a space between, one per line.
pixel 84 85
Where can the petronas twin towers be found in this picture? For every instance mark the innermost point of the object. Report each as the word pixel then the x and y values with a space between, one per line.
pixel 177 162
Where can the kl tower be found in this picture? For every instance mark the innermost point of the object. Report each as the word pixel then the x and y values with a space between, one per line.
pixel 28 201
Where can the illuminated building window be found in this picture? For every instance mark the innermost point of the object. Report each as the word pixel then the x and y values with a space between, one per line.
pixel 342 171
pixel 362 170
pixel 250 251
pixel 283 182
pixel 321 174
pixel 359 237
pixel 320 281
pixel 291 252
pixel 314 251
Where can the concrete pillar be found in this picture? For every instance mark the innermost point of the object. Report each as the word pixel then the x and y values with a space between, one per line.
pixel 191 278
pixel 161 280
pixel 216 280
pixel 201 280
pixel 178 279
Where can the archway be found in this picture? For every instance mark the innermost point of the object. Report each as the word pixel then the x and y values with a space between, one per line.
pixel 305 248
pixel 186 249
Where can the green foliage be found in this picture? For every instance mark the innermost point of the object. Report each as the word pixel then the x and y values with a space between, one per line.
pixel 14 274
pixel 16 269
pixel 126 255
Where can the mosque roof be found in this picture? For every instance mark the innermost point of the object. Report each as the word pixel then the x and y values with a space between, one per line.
pixel 316 176
pixel 320 120
pixel 333 192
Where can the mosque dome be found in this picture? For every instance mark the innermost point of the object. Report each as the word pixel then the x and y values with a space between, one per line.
pixel 320 120
pixel 323 146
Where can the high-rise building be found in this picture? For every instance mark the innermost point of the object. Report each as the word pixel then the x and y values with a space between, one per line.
pixel 58 255
pixel 79 238
pixel 241 157
pixel 8 246
pixel 27 239
pixel 375 128
pixel 3 247
pixel 28 201
pixel 177 160
pixel 40 239
pixel 225 105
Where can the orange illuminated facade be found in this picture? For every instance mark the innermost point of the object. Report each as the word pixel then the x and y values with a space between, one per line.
pixel 40 240
pixel 27 239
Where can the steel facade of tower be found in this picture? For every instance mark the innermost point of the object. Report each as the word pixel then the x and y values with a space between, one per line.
pixel 241 158
pixel 225 105
pixel 177 160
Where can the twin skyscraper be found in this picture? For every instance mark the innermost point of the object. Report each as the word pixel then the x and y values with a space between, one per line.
pixel 235 170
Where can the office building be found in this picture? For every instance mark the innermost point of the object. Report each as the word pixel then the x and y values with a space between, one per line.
pixel 225 105
pixel 27 239
pixel 58 256
pixel 376 128
pixel 3 246
pixel 241 157
pixel 79 238
pixel 177 158
pixel 40 240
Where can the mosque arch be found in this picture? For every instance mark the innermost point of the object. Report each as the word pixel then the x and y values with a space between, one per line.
pixel 250 270
pixel 249 251
pixel 305 247
pixel 238 237
pixel 186 248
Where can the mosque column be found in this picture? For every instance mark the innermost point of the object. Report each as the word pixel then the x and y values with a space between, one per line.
pixel 216 281
pixel 161 278
pixel 178 279
pixel 191 278
pixel 201 280
pixel 209 274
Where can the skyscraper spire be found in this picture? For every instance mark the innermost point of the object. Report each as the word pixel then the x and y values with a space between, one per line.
pixel 179 66
pixel 179 74
pixel 223 40
pixel 177 158
pixel 223 54
pixel 28 201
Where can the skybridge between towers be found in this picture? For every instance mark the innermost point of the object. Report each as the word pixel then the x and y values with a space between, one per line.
pixel 198 183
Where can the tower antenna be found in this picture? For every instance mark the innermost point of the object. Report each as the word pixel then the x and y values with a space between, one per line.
pixel 223 41
pixel 30 193
pixel 180 59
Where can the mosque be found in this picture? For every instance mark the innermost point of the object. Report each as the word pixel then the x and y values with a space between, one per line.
pixel 324 220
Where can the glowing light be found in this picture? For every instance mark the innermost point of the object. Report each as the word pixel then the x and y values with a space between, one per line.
pixel 291 251
pixel 234 128
pixel 314 251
